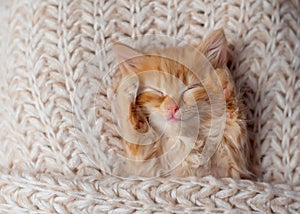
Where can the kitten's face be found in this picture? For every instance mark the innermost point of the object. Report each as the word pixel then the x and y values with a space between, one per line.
pixel 172 95
pixel 169 95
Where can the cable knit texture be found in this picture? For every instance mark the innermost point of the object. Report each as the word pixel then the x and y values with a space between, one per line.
pixel 57 135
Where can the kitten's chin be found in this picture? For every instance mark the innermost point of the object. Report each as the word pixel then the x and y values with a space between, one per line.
pixel 173 120
pixel 165 126
pixel 173 127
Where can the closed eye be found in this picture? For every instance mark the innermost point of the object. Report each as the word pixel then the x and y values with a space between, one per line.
pixel 152 90
pixel 193 88
pixel 194 93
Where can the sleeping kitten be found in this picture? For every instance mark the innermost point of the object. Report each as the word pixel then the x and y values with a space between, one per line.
pixel 178 112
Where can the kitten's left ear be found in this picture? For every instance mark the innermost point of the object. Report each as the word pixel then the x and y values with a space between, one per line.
pixel 214 47
pixel 128 58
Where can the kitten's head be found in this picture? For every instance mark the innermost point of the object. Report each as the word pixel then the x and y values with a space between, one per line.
pixel 175 86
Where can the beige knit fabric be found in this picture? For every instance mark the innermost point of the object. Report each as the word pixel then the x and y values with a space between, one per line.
pixel 57 138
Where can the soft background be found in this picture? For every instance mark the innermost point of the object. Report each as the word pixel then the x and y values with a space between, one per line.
pixel 55 110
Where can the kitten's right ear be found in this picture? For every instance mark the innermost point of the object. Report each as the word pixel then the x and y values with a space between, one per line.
pixel 214 47
pixel 128 59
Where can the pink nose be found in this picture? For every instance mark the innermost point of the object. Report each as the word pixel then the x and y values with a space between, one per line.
pixel 172 108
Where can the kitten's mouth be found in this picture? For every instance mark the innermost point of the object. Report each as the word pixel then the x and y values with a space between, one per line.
pixel 173 119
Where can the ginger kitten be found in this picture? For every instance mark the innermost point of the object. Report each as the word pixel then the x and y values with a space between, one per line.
pixel 178 112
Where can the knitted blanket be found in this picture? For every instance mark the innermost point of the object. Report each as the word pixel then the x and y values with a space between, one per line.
pixel 57 137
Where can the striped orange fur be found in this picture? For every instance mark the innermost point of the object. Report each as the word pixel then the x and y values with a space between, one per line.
pixel 176 86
